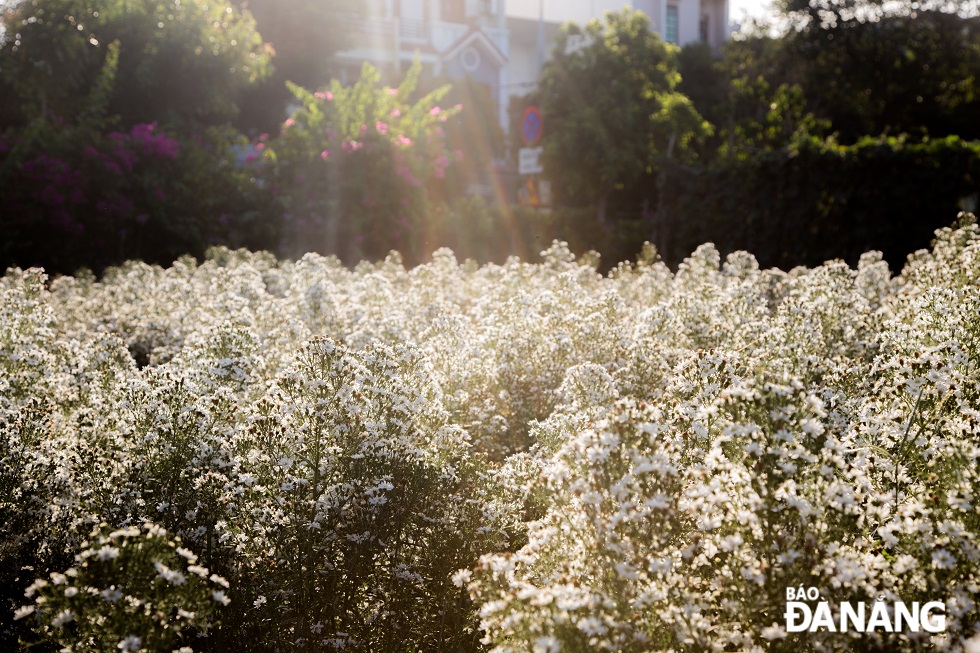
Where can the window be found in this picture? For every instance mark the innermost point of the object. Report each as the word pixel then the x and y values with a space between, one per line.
pixel 481 8
pixel 470 59
pixel 703 28
pixel 670 29
pixel 473 8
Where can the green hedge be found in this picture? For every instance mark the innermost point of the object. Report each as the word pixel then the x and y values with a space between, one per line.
pixel 819 201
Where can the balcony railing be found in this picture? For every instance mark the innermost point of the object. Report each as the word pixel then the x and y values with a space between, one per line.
pixel 414 30
pixel 439 34
pixel 358 24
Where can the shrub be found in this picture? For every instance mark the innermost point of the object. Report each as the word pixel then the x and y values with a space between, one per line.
pixel 77 196
pixel 132 589
pixel 818 200
pixel 354 166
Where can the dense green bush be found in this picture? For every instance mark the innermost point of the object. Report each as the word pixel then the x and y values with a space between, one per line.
pixel 817 200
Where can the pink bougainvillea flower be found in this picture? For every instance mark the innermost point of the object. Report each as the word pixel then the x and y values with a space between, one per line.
pixel 396 112
pixel 405 173
pixel 141 131
pixel 435 111
pixel 325 154
pixel 290 122
pixel 52 197
pixel 404 140
pixel 126 157
pixel 162 146
pixel 381 127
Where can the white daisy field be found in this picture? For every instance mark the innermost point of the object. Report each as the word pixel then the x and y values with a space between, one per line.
pixel 247 454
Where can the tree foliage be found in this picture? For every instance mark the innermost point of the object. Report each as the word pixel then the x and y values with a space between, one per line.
pixel 303 36
pixel 873 69
pixel 178 60
pixel 608 96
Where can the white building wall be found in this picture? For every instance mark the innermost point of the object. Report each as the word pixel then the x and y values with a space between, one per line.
pixel 562 11
pixel 658 16
pixel 581 11
pixel 718 27
pixel 523 67
pixel 651 8
pixel 688 21
pixel 413 9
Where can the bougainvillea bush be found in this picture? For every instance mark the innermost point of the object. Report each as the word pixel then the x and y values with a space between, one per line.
pixel 354 167
pixel 259 455
pixel 93 195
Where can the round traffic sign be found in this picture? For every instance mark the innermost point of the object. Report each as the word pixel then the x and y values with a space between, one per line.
pixel 531 125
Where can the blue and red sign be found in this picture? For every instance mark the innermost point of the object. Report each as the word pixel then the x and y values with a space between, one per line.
pixel 531 125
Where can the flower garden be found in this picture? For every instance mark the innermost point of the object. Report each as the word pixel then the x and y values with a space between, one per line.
pixel 252 454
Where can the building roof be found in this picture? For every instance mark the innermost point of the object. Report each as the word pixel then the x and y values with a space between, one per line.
pixel 476 35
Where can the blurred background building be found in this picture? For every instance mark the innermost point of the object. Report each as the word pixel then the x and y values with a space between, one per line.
pixel 502 44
